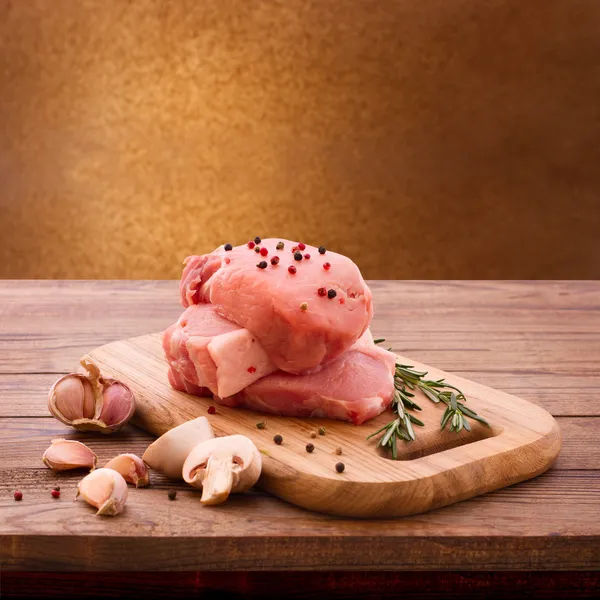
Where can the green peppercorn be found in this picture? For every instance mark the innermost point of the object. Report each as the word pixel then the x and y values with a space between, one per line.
pixel 280 246
pixel 322 431
pixel 261 425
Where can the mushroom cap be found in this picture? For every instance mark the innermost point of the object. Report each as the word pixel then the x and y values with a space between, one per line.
pixel 168 453
pixel 236 450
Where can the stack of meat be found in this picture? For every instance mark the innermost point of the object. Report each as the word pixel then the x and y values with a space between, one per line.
pixel 279 327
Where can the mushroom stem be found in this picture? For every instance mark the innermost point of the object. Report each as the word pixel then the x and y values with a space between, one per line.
pixel 218 482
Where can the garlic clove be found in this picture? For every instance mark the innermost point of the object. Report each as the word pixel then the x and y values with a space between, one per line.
pixel 168 453
pixel 131 467
pixel 105 489
pixel 63 455
pixel 91 402
pixel 221 466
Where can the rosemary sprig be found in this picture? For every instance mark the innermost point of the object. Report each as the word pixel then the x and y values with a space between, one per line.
pixel 406 380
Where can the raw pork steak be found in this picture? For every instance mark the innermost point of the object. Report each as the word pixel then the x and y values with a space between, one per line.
pixel 357 386
pixel 302 319
pixel 205 350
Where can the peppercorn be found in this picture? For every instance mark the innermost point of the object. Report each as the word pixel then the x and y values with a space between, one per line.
pixel 322 250
pixel 307 256
pixel 57 489
pixel 331 294
pixel 18 496
pixel 294 249
pixel 257 240
pixel 257 249
pixel 251 245
pixel 301 246
pixel 251 369
pixel 322 291
pixel 275 260
pixel 292 269
pixel 228 247
pixel 55 493
pixel 304 306
pixel 211 410
pixel 313 434
pixel 261 425
pixel 297 256
pixel 327 266
pixel 264 252
pixel 172 495
pixel 278 439
pixel 310 448
pixel 262 264
pixel 322 431
pixel 338 450
pixel 280 246
pixel 339 467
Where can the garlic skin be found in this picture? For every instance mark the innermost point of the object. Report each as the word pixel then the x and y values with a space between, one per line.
pixel 63 455
pixel 105 489
pixel 131 467
pixel 91 402
pixel 221 466
pixel 168 453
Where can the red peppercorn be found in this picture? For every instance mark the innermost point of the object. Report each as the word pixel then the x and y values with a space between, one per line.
pixel 264 252
pixel 294 249
pixel 292 269
pixel 251 245
pixel 342 301
pixel 55 493
pixel 327 266
pixel 18 496
pixel 251 369
pixel 211 410
pixel 227 260
pixel 307 256
pixel 322 291
pixel 301 246
pixel 275 260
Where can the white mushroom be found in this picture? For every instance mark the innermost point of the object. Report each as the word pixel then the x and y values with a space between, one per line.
pixel 221 466
pixel 168 453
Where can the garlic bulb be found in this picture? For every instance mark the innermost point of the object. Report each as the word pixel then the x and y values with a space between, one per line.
pixel 91 402
pixel 131 467
pixel 105 489
pixel 63 455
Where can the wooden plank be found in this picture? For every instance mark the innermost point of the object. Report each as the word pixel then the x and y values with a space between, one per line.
pixel 560 394
pixel 245 533
pixel 24 440
pixel 517 327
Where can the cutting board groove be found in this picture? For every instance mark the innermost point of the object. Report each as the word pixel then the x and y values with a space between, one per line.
pixel 437 469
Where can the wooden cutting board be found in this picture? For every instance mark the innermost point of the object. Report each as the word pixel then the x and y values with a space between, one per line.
pixel 437 469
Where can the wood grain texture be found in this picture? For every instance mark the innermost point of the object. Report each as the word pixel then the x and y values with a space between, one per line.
pixel 134 133
pixel 546 523
pixel 437 469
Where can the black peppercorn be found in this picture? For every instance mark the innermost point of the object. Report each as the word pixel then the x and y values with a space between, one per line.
pixel 310 448
pixel 331 294
pixel 322 250
pixel 339 467
pixel 297 255
pixel 278 439
pixel 228 247
pixel 257 240
pixel 172 495
pixel 262 264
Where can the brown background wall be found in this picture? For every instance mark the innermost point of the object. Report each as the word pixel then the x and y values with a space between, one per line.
pixel 427 139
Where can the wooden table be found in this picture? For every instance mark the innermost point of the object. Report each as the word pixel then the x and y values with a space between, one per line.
pixel 537 340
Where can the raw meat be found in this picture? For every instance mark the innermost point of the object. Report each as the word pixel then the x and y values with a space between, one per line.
pixel 267 301
pixel 205 350
pixel 355 387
